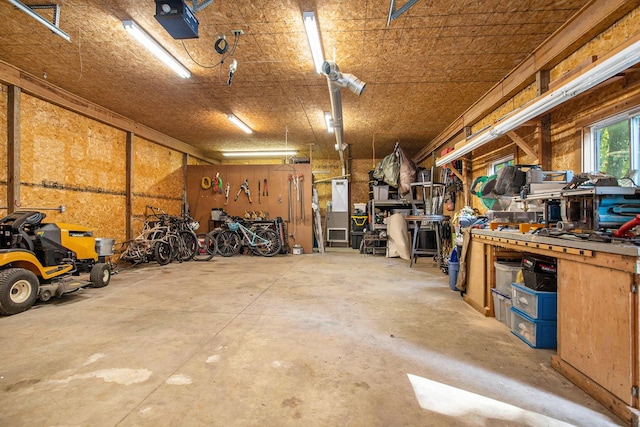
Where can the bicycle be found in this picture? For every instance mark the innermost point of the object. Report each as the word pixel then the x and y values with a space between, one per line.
pixel 262 241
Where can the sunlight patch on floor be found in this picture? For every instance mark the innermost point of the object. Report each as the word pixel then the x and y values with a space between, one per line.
pixel 451 401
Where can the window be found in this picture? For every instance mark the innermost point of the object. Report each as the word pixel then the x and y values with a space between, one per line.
pixel 613 145
pixel 494 167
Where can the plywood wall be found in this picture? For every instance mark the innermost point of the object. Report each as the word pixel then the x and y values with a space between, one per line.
pixel 69 160
pixel 157 178
pixel 275 204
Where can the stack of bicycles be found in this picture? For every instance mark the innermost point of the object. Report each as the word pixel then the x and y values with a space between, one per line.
pixel 165 238
pixel 238 234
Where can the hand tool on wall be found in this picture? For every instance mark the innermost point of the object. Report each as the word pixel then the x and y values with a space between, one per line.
pixel 301 194
pixel 265 190
pixel 290 179
pixel 226 194
pixel 259 202
pixel 245 187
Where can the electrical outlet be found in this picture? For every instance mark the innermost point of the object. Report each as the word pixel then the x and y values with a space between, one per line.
pixel 237 32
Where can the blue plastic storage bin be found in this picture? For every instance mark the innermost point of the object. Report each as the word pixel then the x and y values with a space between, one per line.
pixel 536 333
pixel 537 304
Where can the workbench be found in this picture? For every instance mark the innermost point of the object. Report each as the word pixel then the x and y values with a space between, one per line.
pixel 598 308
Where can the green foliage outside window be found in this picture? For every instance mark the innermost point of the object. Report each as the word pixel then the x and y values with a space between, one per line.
pixel 614 149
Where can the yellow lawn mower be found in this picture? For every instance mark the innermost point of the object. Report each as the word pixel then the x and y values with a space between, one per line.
pixel 42 260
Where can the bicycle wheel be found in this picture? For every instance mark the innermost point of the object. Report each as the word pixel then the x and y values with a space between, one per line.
pixel 229 243
pixel 188 246
pixel 163 252
pixel 270 245
pixel 207 247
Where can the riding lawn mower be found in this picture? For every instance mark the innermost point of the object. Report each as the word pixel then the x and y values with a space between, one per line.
pixel 42 260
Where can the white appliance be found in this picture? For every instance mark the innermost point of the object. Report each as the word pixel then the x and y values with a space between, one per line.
pixel 337 222
pixel 340 195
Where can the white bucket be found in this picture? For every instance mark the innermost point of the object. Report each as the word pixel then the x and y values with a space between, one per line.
pixel 297 250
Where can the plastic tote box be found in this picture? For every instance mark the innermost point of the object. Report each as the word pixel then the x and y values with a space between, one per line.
pixel 536 333
pixel 536 304
pixel 502 307
pixel 506 273
pixel 380 192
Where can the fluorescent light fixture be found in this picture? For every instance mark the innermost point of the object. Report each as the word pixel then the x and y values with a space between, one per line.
pixel 601 71
pixel 310 26
pixel 328 120
pixel 154 47
pixel 236 121
pixel 267 153
pixel 26 9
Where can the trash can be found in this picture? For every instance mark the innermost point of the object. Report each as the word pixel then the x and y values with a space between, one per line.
pixel 454 267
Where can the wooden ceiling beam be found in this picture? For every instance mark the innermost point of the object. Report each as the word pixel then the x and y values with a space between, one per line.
pixel 590 21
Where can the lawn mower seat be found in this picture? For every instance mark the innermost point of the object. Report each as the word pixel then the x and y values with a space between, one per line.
pixel 23 228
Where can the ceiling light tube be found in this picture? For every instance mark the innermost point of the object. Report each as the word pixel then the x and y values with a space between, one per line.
pixel 269 153
pixel 310 26
pixel 236 121
pixel 328 120
pixel 601 71
pixel 26 9
pixel 154 47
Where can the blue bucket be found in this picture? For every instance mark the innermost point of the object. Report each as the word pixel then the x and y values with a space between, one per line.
pixel 454 267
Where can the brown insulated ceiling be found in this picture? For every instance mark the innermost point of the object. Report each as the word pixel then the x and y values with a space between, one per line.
pixel 422 71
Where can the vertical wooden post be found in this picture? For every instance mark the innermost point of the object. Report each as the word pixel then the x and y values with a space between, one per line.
pixel 544 143
pixel 467 173
pixel 185 165
pixel 13 148
pixel 543 78
pixel 129 185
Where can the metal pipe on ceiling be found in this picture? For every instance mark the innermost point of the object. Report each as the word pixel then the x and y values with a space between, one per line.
pixel 336 81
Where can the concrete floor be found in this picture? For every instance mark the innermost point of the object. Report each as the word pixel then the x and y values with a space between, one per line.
pixel 335 339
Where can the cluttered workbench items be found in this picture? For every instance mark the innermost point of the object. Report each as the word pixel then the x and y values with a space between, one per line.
pixel 559 203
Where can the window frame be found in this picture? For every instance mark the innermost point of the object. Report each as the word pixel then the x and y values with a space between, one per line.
pixel 589 146
pixel 491 169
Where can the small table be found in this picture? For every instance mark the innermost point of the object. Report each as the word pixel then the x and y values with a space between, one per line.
pixel 417 221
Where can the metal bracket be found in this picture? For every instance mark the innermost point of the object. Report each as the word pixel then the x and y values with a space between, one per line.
pixel 197 7
pixel 395 14
pixel 53 26
pixel 634 391
pixel 56 11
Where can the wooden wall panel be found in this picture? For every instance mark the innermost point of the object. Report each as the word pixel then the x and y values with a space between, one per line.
pixel 360 180
pixel 329 169
pixel 71 160
pixel 275 204
pixel 158 178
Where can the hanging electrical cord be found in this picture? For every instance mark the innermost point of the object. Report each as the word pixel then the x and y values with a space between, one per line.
pixel 229 53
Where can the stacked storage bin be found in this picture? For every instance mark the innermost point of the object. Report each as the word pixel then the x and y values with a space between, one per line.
pixel 534 313
pixel 506 273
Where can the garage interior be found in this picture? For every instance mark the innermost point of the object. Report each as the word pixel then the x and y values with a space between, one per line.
pixel 330 331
